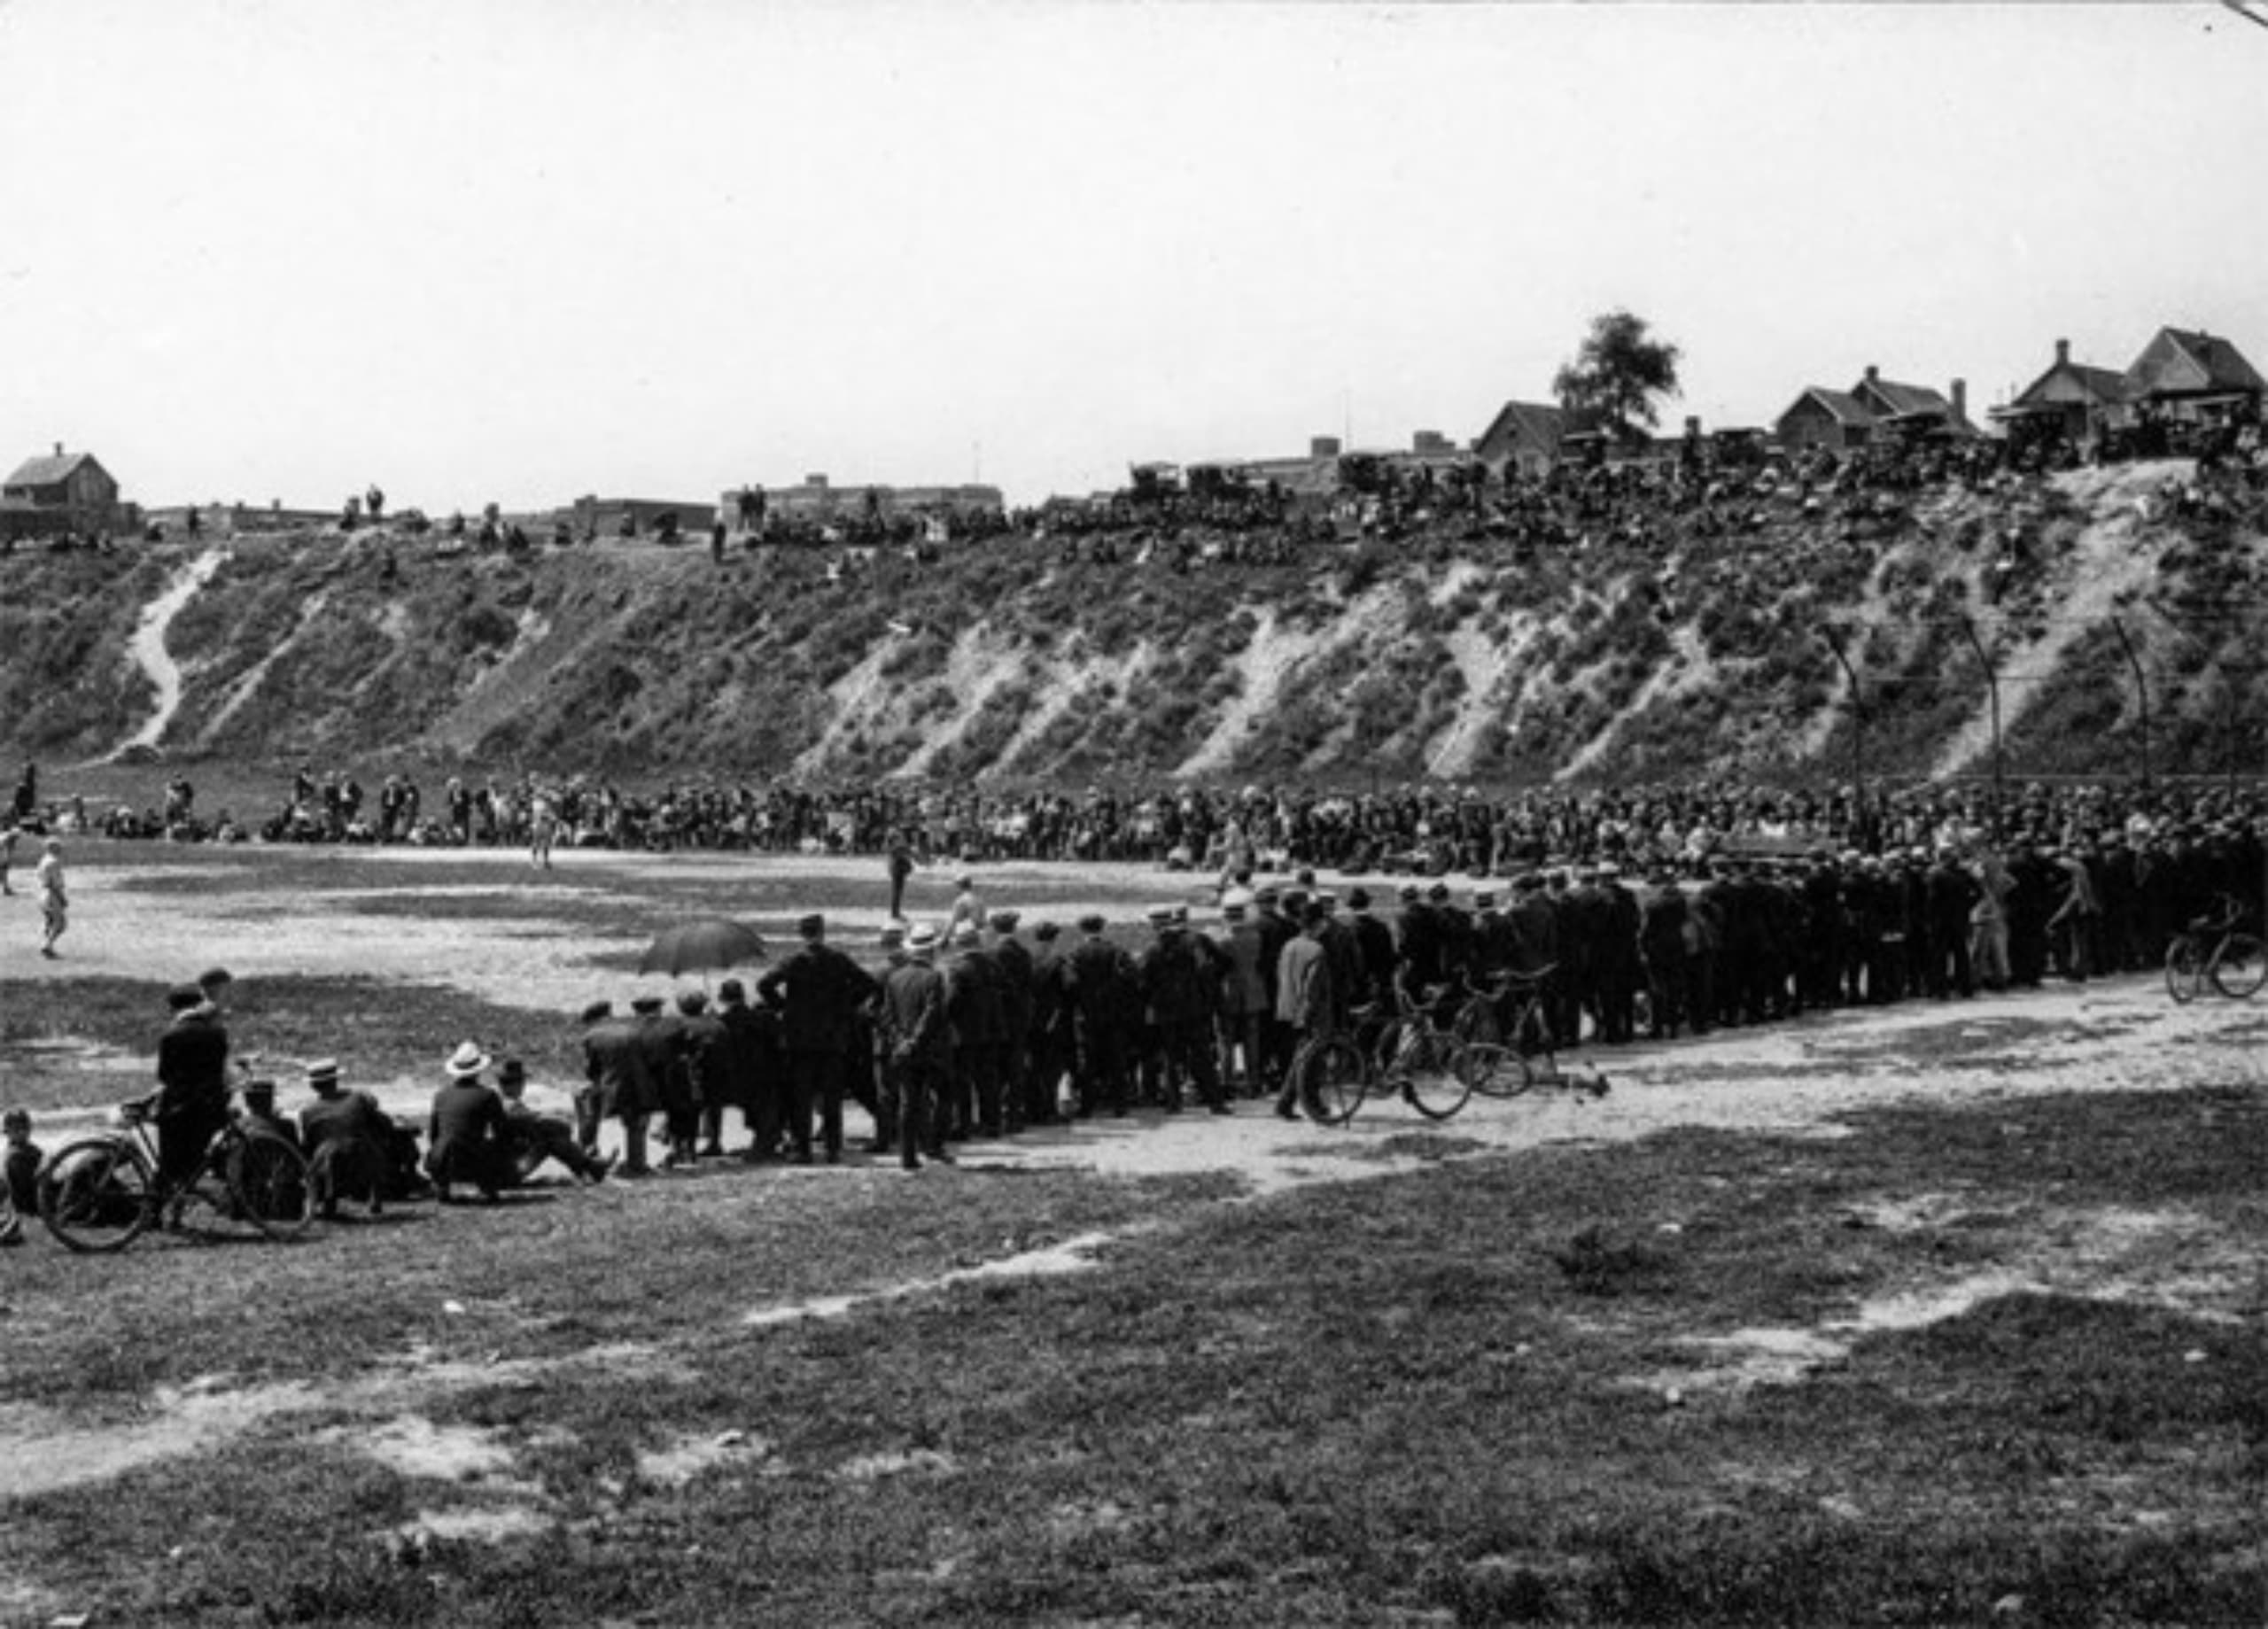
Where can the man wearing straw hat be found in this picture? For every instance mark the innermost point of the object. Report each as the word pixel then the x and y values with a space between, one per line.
pixel 465 1135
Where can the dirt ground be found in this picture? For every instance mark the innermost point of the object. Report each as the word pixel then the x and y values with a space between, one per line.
pixel 532 947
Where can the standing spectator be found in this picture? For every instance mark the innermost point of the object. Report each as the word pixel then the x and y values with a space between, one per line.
pixel 1097 977
pixel 917 1041
pixel 1053 1050
pixel 743 1070
pixel 1304 1002
pixel 617 1085
pixel 816 991
pixel 701 1053
pixel 192 1084
pixel 1244 997
pixel 9 833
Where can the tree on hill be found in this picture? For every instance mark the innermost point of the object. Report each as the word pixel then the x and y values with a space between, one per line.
pixel 1620 369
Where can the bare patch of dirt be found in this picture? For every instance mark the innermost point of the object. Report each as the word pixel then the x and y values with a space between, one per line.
pixel 413 1445
pixel 688 1457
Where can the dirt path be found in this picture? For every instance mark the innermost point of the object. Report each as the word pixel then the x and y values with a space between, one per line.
pixel 149 652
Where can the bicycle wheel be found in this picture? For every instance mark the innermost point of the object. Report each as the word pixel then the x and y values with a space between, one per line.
pixel 96 1195
pixel 1494 1071
pixel 1432 1079
pixel 2240 969
pixel 267 1178
pixel 1334 1080
pixel 2185 970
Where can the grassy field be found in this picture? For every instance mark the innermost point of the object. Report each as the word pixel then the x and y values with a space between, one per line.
pixel 1912 1316
pixel 1996 1363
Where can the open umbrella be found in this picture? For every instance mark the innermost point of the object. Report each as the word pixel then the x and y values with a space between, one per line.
pixel 697 947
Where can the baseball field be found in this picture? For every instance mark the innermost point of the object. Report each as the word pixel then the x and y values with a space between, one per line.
pixel 1939 1313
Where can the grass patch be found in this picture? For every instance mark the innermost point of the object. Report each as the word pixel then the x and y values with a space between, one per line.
pixel 1376 1402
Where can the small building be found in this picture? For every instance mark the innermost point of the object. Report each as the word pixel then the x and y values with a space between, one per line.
pixel 594 517
pixel 2070 402
pixel 2192 375
pixel 1835 420
pixel 1523 439
pixel 1870 410
pixel 59 493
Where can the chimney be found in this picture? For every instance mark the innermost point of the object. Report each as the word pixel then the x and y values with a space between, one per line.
pixel 817 481
pixel 2063 353
pixel 1874 374
pixel 1323 447
pixel 59 449
pixel 1961 402
pixel 1693 424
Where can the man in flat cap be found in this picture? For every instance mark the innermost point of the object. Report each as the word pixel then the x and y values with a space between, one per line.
pixel 617 1085
pixel 1100 981
pixel 1011 960
pixel 192 1084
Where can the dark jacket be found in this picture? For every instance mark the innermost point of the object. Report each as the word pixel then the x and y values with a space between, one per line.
pixel 818 991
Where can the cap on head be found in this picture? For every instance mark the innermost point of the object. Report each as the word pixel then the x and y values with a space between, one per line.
pixel 1358 899
pixel 646 1005
pixel 1005 922
pixel 1160 916
pixel 184 999
pixel 1045 931
pixel 324 1072
pixel 1091 923
pixel 812 926
pixel 692 1002
pixel 731 990
pixel 511 1072
pixel 592 1011
pixel 1438 892
pixel 1411 893
pixel 922 939
pixel 215 978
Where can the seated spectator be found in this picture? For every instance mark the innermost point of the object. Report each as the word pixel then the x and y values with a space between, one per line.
pixel 534 1137
pixel 348 1140
pixel 467 1132
pixel 20 1172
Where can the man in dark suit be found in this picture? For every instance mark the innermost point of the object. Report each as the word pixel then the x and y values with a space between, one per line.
pixel 917 1043
pixel 1099 979
pixel 192 1084
pixel 818 991
pixel 348 1141
pixel 617 1085
pixel 465 1133
pixel 1054 1050
pixel 745 1072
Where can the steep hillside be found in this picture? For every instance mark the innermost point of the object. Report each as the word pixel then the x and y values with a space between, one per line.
pixel 1681 650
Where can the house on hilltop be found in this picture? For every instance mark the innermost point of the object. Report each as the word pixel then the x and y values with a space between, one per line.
pixel 57 494
pixel 2070 402
pixel 1870 410
pixel 2194 375
pixel 1525 438
pixel 1820 417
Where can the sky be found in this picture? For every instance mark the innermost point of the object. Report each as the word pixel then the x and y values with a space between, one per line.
pixel 521 250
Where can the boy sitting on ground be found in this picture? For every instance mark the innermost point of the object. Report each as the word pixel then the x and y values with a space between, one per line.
pixel 22 1174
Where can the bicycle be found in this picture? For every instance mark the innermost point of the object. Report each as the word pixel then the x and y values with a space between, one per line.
pixel 1408 1054
pixel 1530 1060
pixel 100 1193
pixel 2211 950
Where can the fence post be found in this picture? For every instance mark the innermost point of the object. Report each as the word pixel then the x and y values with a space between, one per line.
pixel 1993 682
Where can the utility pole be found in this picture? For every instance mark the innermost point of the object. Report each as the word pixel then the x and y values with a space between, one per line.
pixel 1858 732
pixel 2142 695
pixel 1992 682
